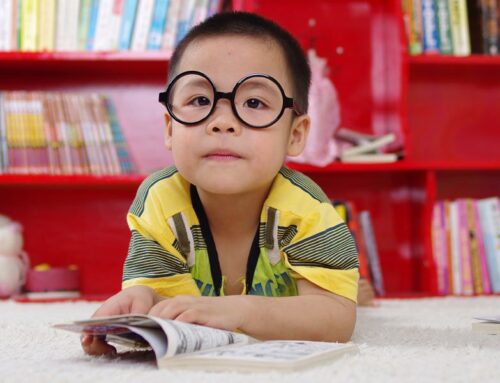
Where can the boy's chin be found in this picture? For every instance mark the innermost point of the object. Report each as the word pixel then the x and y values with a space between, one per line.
pixel 228 187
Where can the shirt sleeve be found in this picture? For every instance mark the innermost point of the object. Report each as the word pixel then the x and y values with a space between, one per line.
pixel 153 258
pixel 324 252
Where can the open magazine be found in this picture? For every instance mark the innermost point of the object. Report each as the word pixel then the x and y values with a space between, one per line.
pixel 179 344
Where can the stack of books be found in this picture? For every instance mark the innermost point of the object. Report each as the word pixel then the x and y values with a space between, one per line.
pixel 61 133
pixel 99 25
pixel 466 246
pixel 365 148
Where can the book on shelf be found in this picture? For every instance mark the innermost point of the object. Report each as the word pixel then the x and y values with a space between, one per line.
pixel 61 133
pixel 445 42
pixel 371 250
pixel 99 25
pixel 489 216
pixel 440 246
pixel 430 35
pixel 182 345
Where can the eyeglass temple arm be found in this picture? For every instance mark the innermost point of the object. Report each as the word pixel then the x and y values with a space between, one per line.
pixel 290 103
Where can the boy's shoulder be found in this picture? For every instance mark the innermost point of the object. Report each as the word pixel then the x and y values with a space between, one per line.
pixel 296 192
pixel 166 187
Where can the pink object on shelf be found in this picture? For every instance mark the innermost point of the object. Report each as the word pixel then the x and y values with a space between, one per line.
pixel 53 279
pixel 324 110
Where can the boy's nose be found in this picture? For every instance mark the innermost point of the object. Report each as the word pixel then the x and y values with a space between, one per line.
pixel 223 120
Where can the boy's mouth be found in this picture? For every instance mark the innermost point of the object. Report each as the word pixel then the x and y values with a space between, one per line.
pixel 222 155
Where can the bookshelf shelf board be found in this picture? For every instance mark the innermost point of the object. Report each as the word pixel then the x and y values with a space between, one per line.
pixel 453 60
pixel 85 181
pixel 86 62
pixel 399 166
pixel 343 167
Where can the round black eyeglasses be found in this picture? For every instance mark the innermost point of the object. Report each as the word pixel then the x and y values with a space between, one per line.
pixel 257 100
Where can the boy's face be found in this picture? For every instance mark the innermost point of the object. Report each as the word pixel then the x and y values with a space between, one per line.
pixel 222 155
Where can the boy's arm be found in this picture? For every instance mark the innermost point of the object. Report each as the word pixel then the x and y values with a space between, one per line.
pixel 315 314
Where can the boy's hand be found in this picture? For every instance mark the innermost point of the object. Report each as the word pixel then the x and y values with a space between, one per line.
pixel 226 313
pixel 133 300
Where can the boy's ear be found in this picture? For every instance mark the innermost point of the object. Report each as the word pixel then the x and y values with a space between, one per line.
pixel 168 131
pixel 298 135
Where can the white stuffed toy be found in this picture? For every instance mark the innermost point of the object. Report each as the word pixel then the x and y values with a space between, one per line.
pixel 14 261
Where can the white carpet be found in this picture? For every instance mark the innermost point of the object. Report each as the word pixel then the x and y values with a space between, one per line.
pixel 427 340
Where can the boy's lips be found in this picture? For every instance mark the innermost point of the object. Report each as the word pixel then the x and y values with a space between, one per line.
pixel 222 155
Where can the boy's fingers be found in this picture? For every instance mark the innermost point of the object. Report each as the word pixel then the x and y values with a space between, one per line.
pixel 94 345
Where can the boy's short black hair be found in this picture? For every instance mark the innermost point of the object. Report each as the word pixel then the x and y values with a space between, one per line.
pixel 249 24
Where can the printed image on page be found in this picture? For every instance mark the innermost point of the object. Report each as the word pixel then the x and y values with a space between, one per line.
pixel 184 338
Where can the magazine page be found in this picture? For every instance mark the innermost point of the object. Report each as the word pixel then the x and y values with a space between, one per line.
pixel 185 337
pixel 269 354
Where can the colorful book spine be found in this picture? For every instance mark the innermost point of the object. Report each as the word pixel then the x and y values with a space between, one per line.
pixel 485 276
pixel 447 227
pixel 372 252
pixel 157 24
pixel 169 35
pixel 6 25
pixel 83 23
pixel 355 228
pixel 142 24
pixel 459 27
pixel 492 27
pixel 489 215
pixel 108 25
pixel 29 25
pixel 430 27
pixel 444 28
pixel 456 264
pixel 127 26
pixel 475 261
pixel 47 25
pixel 94 13
pixel 3 139
pixel 439 246
pixel 415 38
pixel 464 248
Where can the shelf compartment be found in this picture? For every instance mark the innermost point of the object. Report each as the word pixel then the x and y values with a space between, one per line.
pixel 453 114
pixel 85 227
pixel 77 63
pixel 397 202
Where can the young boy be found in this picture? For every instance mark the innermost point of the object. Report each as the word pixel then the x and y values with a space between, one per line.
pixel 229 237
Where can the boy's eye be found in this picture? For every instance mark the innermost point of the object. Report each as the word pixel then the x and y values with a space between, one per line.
pixel 200 101
pixel 254 103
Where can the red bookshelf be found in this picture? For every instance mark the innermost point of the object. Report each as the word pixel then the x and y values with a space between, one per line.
pixel 442 108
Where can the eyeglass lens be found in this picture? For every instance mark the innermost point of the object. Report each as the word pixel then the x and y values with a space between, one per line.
pixel 258 101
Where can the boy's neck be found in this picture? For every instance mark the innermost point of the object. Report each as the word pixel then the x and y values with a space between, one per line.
pixel 234 214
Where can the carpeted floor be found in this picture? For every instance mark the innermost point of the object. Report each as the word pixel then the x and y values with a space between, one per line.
pixel 424 340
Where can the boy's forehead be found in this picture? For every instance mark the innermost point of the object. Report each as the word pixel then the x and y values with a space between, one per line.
pixel 226 59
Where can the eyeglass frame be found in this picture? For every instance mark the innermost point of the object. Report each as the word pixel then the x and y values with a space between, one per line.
pixel 288 102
